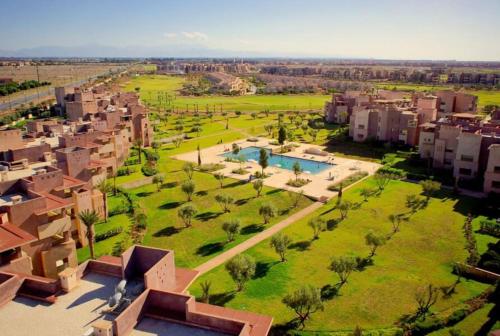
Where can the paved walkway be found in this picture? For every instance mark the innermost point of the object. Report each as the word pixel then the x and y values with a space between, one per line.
pixel 223 257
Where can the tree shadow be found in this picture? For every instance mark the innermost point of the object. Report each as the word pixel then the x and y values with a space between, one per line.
pixel 274 191
pixel 144 194
pixel 328 292
pixel 209 249
pixel 201 193
pixel 363 263
pixel 252 228
pixel 167 232
pixel 262 268
pixel 221 299
pixel 208 215
pixel 332 223
pixel 233 184
pixel 242 201
pixel 169 205
pixel 302 245
pixel 284 212
pixel 170 185
pixel 284 328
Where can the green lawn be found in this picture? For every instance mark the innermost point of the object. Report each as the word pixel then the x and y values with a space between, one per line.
pixel 152 84
pixel 205 238
pixel 421 253
pixel 474 322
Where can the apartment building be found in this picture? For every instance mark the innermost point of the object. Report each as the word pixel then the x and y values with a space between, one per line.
pixel 464 145
pixel 223 82
pixel 38 221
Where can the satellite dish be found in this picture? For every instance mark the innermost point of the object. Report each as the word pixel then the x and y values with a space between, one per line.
pixel 120 288
pixel 115 299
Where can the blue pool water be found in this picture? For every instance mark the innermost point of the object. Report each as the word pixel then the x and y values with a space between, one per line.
pixel 285 162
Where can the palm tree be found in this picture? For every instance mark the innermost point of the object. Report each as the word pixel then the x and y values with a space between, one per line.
pixel 138 146
pixel 89 219
pixel 104 187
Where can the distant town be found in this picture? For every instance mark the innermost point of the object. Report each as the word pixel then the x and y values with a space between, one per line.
pixel 249 197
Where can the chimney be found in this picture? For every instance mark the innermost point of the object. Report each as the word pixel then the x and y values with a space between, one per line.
pixel 16 199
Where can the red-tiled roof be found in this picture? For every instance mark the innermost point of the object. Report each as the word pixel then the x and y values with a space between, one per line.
pixel 53 203
pixel 70 182
pixel 11 236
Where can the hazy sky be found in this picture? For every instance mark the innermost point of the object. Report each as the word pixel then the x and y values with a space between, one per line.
pixel 397 29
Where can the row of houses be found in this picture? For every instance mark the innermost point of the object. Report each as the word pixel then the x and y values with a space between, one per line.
pixel 48 176
pixel 444 125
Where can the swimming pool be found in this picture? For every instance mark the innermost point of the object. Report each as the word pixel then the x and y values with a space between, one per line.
pixel 281 161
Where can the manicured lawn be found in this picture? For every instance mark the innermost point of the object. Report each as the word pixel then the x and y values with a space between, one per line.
pixel 474 323
pixel 421 253
pixel 150 85
pixel 105 247
pixel 205 238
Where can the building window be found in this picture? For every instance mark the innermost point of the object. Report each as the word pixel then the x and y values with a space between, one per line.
pixel 447 161
pixel 361 126
pixel 465 171
pixel 495 184
pixel 496 169
pixel 467 158
pixel 447 150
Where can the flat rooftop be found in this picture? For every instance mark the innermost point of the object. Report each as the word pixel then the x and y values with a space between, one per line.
pixel 72 314
pixel 150 327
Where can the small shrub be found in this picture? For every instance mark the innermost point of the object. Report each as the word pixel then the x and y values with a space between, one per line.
pixel 210 167
pixel 239 171
pixel 427 326
pixel 347 181
pixel 149 170
pixel 490 227
pixel 297 183
pixel 108 234
pixel 259 175
pixel 456 316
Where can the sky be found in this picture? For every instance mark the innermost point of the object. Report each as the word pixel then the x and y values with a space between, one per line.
pixel 383 29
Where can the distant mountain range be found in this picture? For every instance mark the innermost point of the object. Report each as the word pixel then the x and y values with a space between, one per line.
pixel 97 50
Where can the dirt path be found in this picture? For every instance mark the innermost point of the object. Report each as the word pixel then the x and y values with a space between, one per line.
pixel 225 256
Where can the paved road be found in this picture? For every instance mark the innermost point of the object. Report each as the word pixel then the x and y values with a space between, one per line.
pixel 44 93
pixel 223 257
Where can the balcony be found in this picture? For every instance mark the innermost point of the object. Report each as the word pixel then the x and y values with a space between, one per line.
pixel 55 227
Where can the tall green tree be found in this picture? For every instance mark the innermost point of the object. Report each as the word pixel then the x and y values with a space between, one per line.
pixel 89 219
pixel 343 266
pixel 297 169
pixel 282 136
pixel 104 187
pixel 138 145
pixel 263 159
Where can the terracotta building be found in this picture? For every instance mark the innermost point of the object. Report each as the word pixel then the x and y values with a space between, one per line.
pixel 153 299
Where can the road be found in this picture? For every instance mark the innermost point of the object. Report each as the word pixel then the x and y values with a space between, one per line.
pixel 44 93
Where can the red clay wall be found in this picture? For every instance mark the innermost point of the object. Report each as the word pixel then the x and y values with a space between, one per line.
pixel 9 284
pixel 128 319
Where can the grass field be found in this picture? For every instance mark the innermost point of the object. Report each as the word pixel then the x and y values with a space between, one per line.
pixel 150 85
pixel 421 253
pixel 485 97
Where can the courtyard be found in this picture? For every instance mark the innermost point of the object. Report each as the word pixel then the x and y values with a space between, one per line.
pixel 330 168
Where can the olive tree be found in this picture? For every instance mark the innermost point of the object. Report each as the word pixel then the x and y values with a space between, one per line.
pixel 258 185
pixel 224 201
pixel 343 266
pixel 318 224
pixel 186 213
pixel 267 211
pixel 304 302
pixel 241 269
pixel 231 227
pixel 374 241
pixel 188 187
pixel 280 243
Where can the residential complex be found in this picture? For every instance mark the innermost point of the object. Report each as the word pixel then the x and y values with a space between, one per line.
pixel 444 126
pixel 141 292
pixel 223 82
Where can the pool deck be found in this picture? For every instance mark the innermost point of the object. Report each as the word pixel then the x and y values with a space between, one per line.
pixel 316 189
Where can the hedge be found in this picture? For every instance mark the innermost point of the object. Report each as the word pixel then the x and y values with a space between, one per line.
pixel 108 234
